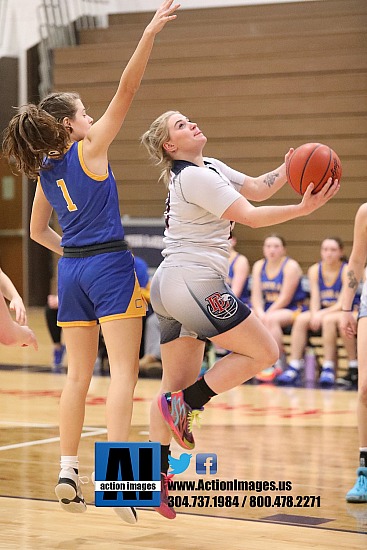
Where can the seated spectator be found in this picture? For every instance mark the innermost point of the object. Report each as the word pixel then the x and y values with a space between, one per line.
pixel 238 273
pixel 277 296
pixel 326 278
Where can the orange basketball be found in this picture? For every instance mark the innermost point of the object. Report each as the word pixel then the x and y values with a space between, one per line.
pixel 312 162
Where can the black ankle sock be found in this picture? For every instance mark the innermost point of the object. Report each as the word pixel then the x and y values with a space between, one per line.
pixel 363 459
pixel 198 394
pixel 165 453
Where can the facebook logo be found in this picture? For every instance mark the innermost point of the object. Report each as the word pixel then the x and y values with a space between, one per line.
pixel 206 463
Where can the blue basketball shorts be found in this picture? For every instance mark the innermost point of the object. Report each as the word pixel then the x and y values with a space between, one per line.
pixel 194 301
pixel 98 288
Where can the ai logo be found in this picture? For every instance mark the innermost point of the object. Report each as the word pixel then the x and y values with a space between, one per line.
pixel 127 474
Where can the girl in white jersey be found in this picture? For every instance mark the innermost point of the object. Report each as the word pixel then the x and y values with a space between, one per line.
pixel 356 265
pixel 188 292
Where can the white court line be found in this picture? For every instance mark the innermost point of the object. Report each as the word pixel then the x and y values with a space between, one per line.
pixel 28 424
pixel 41 425
pixel 49 440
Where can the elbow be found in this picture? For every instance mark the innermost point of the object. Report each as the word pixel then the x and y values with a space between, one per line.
pixel 34 234
pixel 252 222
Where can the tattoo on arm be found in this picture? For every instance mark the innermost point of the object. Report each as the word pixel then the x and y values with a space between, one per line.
pixel 270 178
pixel 352 281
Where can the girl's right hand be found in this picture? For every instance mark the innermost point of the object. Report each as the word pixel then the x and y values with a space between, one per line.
pixel 311 202
pixel 164 13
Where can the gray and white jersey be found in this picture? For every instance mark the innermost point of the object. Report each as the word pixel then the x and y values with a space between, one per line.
pixel 197 198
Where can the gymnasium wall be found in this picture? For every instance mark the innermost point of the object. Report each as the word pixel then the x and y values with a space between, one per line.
pixel 258 79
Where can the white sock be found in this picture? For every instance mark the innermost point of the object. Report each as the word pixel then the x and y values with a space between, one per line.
pixel 296 363
pixel 353 364
pixel 69 462
pixel 328 365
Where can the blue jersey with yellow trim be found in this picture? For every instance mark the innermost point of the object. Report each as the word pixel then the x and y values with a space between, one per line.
pixel 271 288
pixel 329 294
pixel 245 294
pixel 86 204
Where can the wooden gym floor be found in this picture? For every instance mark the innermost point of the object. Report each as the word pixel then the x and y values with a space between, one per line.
pixel 261 433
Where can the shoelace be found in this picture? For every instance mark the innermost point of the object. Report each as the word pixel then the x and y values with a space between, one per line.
pixel 192 416
pixel 166 479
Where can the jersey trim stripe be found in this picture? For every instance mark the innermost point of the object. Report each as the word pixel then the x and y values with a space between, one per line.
pixel 76 323
pixel 85 169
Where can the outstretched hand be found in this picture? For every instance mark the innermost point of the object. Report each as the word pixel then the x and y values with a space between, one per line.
pixel 311 202
pixel 164 13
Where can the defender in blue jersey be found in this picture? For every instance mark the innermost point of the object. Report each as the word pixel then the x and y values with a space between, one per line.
pixel 327 280
pixel 57 142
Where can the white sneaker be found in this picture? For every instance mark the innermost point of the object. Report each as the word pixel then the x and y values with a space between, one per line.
pixel 126 513
pixel 69 493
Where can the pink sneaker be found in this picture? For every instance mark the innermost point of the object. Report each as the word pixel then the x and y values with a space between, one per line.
pixel 164 508
pixel 179 416
pixel 268 375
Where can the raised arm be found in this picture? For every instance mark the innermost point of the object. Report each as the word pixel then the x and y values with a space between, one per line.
pixel 264 186
pixel 242 211
pixel 103 132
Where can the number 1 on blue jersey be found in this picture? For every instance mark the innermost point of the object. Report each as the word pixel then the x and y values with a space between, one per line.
pixel 70 205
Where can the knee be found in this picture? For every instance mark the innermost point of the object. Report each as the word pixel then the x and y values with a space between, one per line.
pixel 269 352
pixel 362 392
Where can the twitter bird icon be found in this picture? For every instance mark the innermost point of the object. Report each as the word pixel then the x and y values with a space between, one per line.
pixel 179 465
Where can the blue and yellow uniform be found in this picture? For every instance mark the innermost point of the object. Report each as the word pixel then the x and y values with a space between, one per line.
pixel 96 277
pixel 329 294
pixel 271 289
pixel 245 294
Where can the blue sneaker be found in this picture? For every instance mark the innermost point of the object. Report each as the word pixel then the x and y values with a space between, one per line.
pixel 327 378
pixel 58 356
pixel 290 377
pixel 359 491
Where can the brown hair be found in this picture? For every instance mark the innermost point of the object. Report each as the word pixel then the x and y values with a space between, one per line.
pixel 38 131
pixel 153 139
pixel 340 244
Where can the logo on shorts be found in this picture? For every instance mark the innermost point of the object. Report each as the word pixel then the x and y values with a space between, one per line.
pixel 221 306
